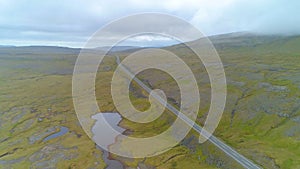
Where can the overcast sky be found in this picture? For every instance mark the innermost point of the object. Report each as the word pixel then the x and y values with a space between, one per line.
pixel 70 23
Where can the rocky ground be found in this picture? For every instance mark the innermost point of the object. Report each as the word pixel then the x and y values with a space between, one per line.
pixel 261 119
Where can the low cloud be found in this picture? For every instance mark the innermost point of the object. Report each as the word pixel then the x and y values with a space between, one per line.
pixel 29 22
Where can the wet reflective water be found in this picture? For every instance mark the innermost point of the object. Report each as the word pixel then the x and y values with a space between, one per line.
pixel 63 130
pixel 101 132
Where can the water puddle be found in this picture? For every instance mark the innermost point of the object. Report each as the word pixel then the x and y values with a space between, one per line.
pixel 100 132
pixel 63 130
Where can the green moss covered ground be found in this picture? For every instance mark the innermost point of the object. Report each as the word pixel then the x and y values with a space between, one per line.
pixel 261 119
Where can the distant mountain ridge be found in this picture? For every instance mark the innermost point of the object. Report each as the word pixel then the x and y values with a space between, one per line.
pixel 279 43
pixel 118 48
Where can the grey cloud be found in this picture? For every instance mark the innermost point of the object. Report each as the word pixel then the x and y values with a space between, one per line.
pixel 69 21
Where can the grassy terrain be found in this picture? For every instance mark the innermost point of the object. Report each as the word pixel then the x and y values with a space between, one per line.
pixel 35 100
pixel 261 119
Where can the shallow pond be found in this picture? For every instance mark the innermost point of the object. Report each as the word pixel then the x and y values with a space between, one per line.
pixel 63 130
pixel 101 132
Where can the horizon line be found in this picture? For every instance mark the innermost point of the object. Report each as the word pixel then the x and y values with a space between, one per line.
pixel 105 46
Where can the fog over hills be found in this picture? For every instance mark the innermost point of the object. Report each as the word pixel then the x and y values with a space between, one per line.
pixel 231 39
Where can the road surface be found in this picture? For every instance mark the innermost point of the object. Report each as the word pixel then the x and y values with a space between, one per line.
pixel 246 163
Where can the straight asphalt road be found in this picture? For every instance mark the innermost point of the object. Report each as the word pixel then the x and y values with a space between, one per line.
pixel 246 163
